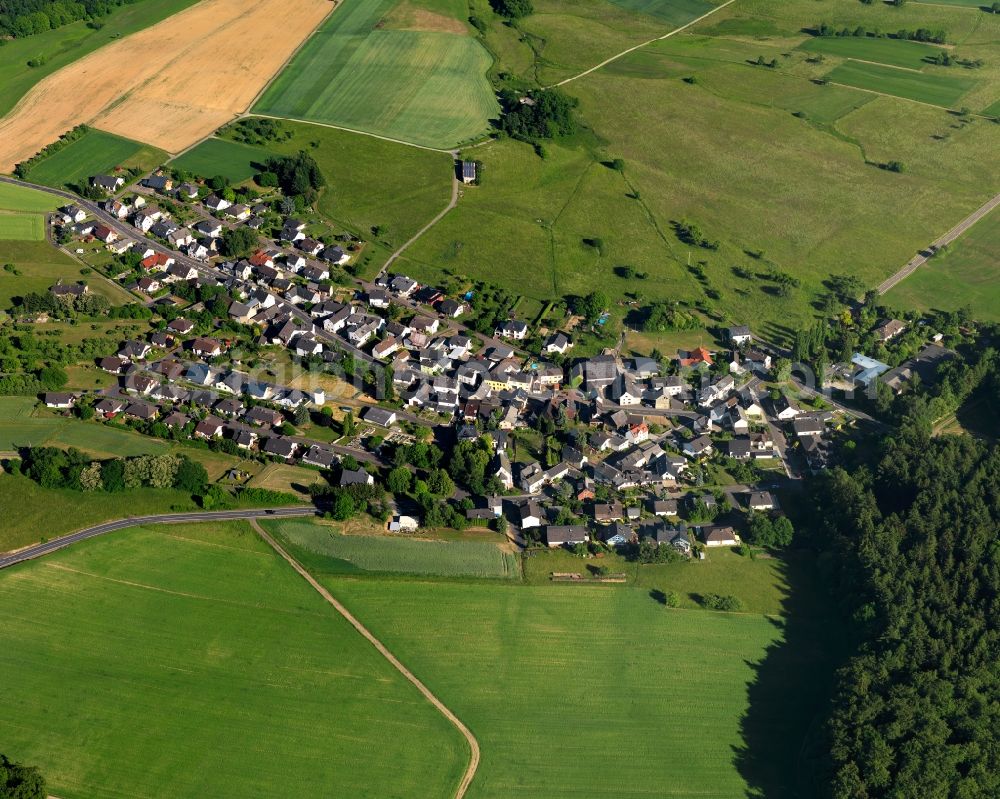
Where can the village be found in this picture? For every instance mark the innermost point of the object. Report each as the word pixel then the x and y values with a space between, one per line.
pixel 684 453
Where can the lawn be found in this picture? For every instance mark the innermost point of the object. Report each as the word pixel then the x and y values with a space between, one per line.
pixel 894 52
pixel 941 90
pixel 59 47
pixel 22 227
pixel 601 691
pixel 94 153
pixel 374 182
pixel 424 87
pixel 40 265
pixel 966 274
pixel 20 198
pixel 233 160
pixel 395 554
pixel 191 661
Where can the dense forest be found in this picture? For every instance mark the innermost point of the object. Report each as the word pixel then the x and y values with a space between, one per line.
pixel 20 18
pixel 912 544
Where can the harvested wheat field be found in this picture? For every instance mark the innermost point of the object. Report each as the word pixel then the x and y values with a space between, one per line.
pixel 169 85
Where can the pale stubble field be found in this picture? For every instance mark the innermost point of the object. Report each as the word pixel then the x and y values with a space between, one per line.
pixel 169 85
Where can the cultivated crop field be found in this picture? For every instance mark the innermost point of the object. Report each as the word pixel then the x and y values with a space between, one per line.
pixel 207 667
pixel 22 227
pixel 600 691
pixel 942 90
pixel 54 49
pixel 231 159
pixel 169 85
pixel 892 52
pixel 94 153
pixel 428 87
pixel 392 554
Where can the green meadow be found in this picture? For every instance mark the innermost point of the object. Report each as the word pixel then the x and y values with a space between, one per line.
pixel 602 691
pixel 61 46
pixel 769 161
pixel 22 227
pixel 428 87
pixel 231 159
pixel 935 89
pixel 673 12
pixel 372 181
pixel 21 198
pixel 968 273
pixel 189 661
pixel 397 554
pixel 94 153
pixel 39 265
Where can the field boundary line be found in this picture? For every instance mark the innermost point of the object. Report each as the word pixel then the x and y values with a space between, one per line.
pixel 383 650
pixel 623 53
pixel 920 259
pixel 359 132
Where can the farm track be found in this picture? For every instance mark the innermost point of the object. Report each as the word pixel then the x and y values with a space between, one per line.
pixel 383 650
pixel 639 46
pixel 919 260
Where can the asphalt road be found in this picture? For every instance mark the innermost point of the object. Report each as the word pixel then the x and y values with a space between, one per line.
pixel 56 544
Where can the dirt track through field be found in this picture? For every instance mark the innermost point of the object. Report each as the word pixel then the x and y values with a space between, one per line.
pixel 443 709
pixel 168 85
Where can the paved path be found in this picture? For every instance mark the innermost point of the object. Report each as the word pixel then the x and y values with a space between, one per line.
pixel 920 259
pixel 623 53
pixel 470 772
pixel 37 550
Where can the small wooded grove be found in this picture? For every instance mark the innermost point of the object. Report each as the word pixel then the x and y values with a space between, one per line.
pixel 912 543
pixel 25 17
pixel 52 467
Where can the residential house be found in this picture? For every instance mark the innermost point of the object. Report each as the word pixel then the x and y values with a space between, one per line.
pixel 719 536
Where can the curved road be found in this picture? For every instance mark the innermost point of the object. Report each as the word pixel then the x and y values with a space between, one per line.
pixel 46 548
pixel 442 708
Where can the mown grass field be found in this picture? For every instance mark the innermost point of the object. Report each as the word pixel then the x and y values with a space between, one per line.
pixel 94 153
pixel 942 90
pixel 893 52
pixel 374 182
pixel 59 47
pixel 396 554
pixel 22 227
pixel 191 661
pixel 233 160
pixel 20 198
pixel 425 87
pixel 40 266
pixel 601 691
pixel 967 274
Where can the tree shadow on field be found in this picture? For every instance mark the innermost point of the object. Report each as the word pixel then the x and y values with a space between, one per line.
pixel 789 694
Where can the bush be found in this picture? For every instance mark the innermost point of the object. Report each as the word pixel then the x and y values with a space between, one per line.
pixel 721 602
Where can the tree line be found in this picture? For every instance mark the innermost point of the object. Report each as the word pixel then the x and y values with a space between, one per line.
pixel 909 543
pixel 20 18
